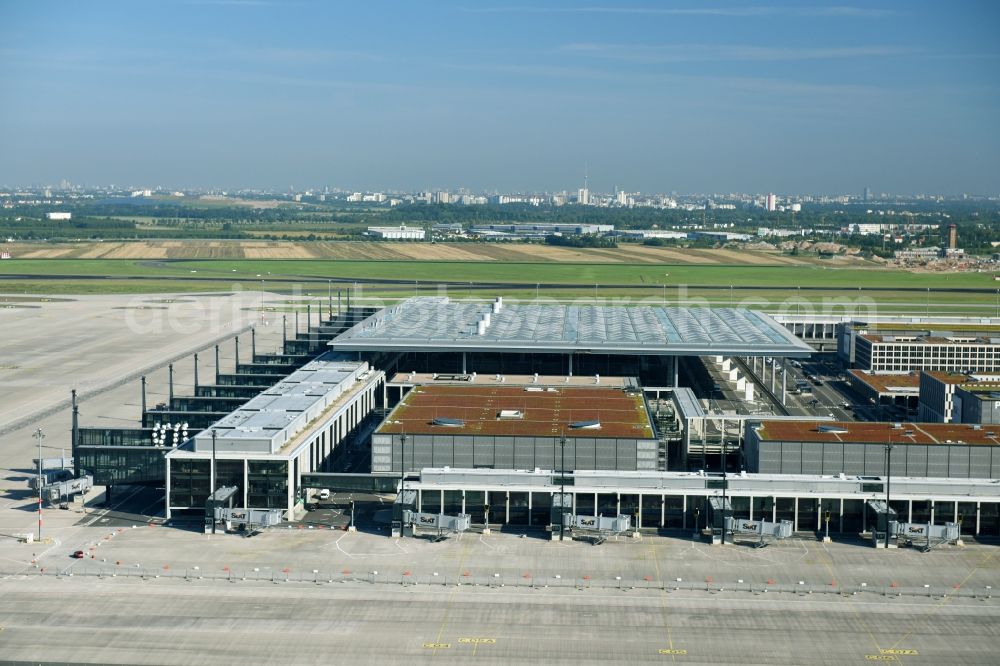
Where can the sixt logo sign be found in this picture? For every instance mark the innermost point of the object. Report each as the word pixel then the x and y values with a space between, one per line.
pixel 588 522
pixel 428 520
pixel 750 527
pixel 915 530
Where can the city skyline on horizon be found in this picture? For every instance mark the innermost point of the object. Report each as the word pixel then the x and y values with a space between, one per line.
pixel 808 98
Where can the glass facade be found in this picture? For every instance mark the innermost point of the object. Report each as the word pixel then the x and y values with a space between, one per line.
pixel 190 482
pixel 267 484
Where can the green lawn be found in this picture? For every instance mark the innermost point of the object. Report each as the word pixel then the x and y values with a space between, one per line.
pixel 584 274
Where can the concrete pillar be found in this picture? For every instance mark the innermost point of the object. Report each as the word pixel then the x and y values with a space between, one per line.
pixel 638 519
pixel 663 511
pixel 506 518
pixel 570 360
pixel 676 363
pixel 784 376
pixel 464 363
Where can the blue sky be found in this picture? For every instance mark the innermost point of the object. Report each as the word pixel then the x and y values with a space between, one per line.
pixel 650 96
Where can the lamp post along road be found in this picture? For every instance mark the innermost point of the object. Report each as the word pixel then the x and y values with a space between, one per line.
pixel 213 480
pixel 562 488
pixel 39 435
pixel 888 482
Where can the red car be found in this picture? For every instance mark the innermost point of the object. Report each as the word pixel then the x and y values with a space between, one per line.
pixel 77 554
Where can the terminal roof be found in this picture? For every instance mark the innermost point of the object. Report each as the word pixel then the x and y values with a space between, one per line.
pixel 858 432
pixel 520 411
pixel 439 324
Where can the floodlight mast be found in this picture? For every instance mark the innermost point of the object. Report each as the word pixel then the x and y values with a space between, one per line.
pixel 39 435
pixel 562 487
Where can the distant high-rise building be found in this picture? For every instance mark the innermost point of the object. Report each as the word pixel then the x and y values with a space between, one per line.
pixel 771 203
pixel 952 237
pixel 583 196
pixel 868 194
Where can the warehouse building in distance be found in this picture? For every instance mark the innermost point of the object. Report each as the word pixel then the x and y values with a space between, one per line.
pixel 918 449
pixel 402 232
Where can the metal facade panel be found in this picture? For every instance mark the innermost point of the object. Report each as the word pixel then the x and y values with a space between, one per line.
pixel 607 454
pixel 791 457
pixel 769 459
pixel 979 462
pixel 421 452
pixel 812 458
pixel 916 460
pixel 443 451
pixel 504 453
pixel 483 451
pixel 937 461
pixel 524 453
pixel 854 459
pixel 463 451
pixel 958 461
pixel 833 458
pixel 546 452
pixel 586 453
pixel 626 454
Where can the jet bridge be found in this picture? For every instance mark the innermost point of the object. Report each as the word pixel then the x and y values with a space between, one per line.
pixel 596 529
pixel 61 490
pixel 762 530
pixel 438 525
pixel 925 536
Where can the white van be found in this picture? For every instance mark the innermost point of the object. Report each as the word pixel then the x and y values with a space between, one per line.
pixel 324 494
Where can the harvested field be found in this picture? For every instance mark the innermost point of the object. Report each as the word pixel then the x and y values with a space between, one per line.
pixel 135 251
pixel 440 252
pixel 388 251
pixel 276 250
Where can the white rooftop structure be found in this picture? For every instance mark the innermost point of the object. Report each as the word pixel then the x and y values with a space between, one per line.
pixel 273 418
pixel 439 324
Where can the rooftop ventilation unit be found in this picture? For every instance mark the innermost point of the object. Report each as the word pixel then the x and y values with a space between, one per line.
pixel 832 429
pixel 510 414
pixel 448 423
pixel 585 425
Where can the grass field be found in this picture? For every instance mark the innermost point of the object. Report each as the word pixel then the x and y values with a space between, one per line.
pixel 766 286
pixel 526 273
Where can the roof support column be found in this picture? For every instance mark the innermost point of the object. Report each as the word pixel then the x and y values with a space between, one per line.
pixel 784 374
pixel 570 358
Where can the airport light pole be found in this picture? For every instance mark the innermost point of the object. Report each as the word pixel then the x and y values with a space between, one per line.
pixel 39 435
pixel 562 487
pixel 213 480
pixel 724 484
pixel 888 481
pixel 402 468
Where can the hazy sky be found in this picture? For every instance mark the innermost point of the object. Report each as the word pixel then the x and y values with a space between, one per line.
pixel 652 96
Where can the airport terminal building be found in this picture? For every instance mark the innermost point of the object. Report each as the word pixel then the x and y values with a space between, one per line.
pixel 506 412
